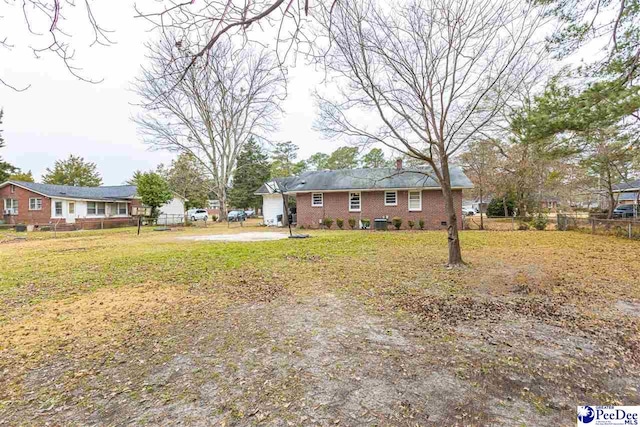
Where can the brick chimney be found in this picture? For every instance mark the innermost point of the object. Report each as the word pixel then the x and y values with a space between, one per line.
pixel 398 164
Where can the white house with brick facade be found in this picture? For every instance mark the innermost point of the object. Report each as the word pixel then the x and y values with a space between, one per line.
pixel 411 194
pixel 73 207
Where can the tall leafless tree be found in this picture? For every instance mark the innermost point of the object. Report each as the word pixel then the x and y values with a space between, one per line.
pixel 60 26
pixel 428 76
pixel 213 110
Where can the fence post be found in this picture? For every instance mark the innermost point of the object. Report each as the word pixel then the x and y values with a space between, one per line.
pixel 630 230
pixel 593 225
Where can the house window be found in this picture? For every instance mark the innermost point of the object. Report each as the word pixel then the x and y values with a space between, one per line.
pixel 72 208
pixel 391 198
pixel 354 202
pixel 415 200
pixel 12 188
pixel 35 204
pixel 317 200
pixel 58 206
pixel 11 206
pixel 121 208
pixel 95 208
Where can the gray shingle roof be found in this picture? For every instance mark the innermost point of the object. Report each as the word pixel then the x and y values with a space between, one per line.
pixel 627 185
pixel 629 196
pixel 117 192
pixel 366 179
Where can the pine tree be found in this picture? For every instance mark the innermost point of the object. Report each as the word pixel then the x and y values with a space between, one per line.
pixel 73 171
pixel 252 171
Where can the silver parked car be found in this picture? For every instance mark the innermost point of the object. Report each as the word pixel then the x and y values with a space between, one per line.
pixel 198 214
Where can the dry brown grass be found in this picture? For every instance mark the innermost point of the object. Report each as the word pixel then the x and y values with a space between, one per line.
pixel 90 315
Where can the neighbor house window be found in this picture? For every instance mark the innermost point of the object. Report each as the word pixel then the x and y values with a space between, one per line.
pixel 354 202
pixel 58 206
pixel 35 204
pixel 317 200
pixel 95 208
pixel 121 208
pixel 415 200
pixel 11 206
pixel 214 204
pixel 391 198
pixel 72 207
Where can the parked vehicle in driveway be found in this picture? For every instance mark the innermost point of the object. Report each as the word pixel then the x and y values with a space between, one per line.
pixel 468 210
pixel 237 216
pixel 250 213
pixel 198 214
pixel 624 211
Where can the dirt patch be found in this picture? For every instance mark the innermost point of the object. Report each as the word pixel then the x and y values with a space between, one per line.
pixel 629 308
pixel 325 360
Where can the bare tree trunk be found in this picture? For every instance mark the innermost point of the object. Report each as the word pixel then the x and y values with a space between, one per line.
pixel 612 199
pixel 455 253
pixel 223 209
pixel 481 214
pixel 504 206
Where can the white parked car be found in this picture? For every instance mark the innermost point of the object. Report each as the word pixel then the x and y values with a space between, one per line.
pixel 468 210
pixel 198 214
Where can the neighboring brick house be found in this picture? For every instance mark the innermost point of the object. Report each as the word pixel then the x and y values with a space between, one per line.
pixel 411 194
pixel 73 207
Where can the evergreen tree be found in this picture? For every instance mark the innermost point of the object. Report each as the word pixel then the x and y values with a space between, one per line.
pixel 153 191
pixel 73 171
pixel 187 178
pixel 135 177
pixel 343 158
pixel 252 171
pixel 22 176
pixel 318 161
pixel 283 160
pixel 374 159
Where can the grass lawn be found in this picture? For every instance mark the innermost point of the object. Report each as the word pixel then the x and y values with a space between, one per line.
pixel 348 328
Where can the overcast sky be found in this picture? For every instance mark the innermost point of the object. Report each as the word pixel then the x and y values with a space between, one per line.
pixel 60 115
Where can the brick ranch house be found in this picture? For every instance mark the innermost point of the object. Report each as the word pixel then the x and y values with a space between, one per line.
pixel 411 194
pixel 70 207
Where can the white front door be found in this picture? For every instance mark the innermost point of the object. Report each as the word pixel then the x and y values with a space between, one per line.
pixel 71 212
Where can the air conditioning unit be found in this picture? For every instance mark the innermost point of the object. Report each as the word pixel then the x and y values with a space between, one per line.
pixel 8 211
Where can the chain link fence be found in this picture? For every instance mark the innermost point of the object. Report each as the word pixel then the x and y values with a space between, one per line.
pixel 627 228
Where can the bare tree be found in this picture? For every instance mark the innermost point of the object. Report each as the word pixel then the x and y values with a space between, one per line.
pixel 480 162
pixel 55 26
pixel 429 76
pixel 212 111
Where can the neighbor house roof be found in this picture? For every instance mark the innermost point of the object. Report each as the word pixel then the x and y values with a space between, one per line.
pixel 627 186
pixel 364 179
pixel 117 192
pixel 629 196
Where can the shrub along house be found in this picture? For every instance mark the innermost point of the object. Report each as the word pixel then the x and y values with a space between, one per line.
pixel 70 207
pixel 364 194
